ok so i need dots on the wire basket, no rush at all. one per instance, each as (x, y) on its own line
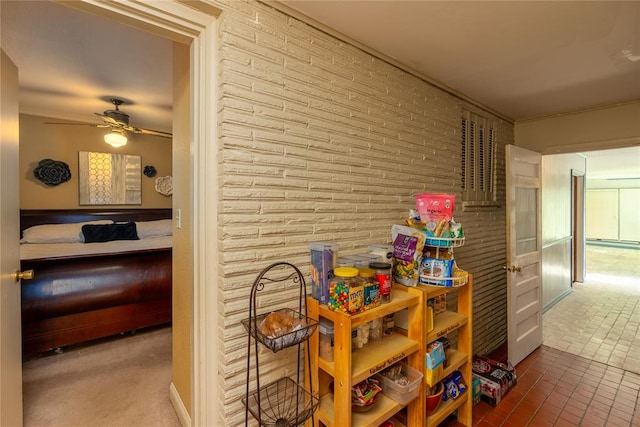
(444, 242)
(302, 331)
(456, 281)
(281, 403)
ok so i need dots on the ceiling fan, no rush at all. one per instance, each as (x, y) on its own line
(118, 121)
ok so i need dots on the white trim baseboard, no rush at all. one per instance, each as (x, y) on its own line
(181, 411)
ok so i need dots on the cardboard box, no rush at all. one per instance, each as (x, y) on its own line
(434, 363)
(324, 257)
(496, 379)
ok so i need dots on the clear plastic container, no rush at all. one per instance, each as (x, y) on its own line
(383, 277)
(383, 253)
(403, 394)
(375, 329)
(323, 260)
(346, 292)
(326, 340)
(371, 288)
(388, 324)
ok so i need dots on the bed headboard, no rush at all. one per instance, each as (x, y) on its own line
(31, 217)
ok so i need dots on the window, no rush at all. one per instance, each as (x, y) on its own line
(478, 158)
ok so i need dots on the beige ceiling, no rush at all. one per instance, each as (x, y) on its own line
(71, 63)
(520, 59)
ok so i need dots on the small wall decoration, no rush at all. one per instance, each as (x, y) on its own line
(149, 171)
(164, 185)
(109, 179)
(52, 172)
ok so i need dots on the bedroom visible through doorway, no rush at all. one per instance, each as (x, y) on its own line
(105, 89)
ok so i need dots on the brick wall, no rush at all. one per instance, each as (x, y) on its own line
(320, 141)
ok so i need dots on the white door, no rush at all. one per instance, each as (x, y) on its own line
(10, 323)
(524, 252)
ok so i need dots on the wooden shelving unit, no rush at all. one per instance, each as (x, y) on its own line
(460, 358)
(349, 368)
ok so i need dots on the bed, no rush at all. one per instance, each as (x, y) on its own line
(81, 290)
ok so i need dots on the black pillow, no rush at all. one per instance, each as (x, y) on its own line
(108, 232)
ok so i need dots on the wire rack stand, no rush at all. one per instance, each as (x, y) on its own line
(284, 402)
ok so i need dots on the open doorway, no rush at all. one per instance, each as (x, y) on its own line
(65, 87)
(193, 381)
(598, 319)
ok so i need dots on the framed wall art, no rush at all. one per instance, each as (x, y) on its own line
(109, 179)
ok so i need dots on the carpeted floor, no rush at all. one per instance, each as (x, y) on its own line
(122, 381)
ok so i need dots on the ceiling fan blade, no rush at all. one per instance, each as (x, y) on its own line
(101, 125)
(108, 119)
(68, 123)
(149, 132)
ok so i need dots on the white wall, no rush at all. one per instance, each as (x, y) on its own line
(612, 214)
(597, 129)
(557, 230)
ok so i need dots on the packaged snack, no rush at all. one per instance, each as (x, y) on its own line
(434, 362)
(436, 210)
(454, 386)
(435, 205)
(364, 393)
(435, 354)
(436, 271)
(455, 229)
(408, 244)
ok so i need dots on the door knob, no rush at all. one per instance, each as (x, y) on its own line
(513, 268)
(23, 275)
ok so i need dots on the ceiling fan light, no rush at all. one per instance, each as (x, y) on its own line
(116, 138)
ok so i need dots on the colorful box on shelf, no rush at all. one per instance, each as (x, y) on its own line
(434, 362)
(323, 260)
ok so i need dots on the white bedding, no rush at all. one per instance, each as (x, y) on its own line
(30, 251)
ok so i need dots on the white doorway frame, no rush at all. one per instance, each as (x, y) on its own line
(194, 25)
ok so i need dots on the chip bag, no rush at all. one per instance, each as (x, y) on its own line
(408, 244)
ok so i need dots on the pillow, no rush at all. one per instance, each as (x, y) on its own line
(109, 232)
(58, 233)
(158, 228)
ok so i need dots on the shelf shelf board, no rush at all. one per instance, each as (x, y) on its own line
(375, 356)
(399, 301)
(457, 359)
(446, 408)
(383, 409)
(445, 323)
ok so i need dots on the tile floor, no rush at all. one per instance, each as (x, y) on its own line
(601, 317)
(556, 388)
(560, 386)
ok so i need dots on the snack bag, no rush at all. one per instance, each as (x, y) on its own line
(408, 244)
(436, 210)
(454, 386)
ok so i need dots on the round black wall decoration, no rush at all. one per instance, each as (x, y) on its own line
(149, 171)
(52, 172)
